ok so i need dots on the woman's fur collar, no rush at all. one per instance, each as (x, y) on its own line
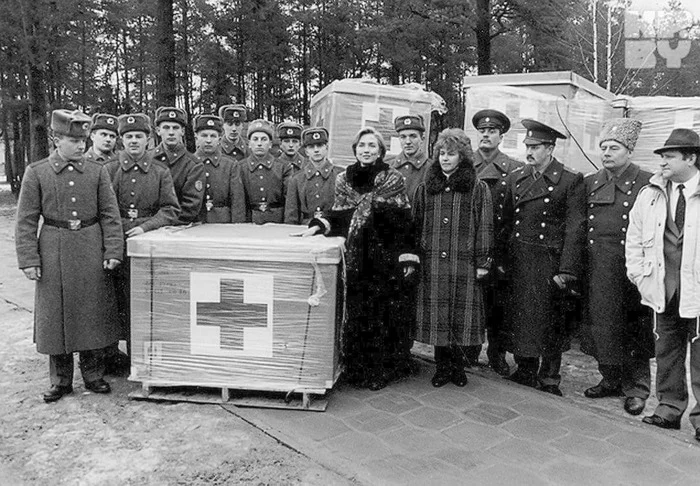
(461, 180)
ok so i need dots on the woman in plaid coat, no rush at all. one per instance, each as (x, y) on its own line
(453, 214)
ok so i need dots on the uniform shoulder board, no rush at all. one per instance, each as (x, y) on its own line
(570, 170)
(589, 174)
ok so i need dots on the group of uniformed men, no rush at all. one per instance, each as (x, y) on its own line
(559, 234)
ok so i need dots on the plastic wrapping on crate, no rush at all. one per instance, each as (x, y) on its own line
(659, 116)
(235, 306)
(582, 113)
(345, 106)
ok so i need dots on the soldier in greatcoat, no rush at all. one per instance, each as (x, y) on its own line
(311, 192)
(147, 201)
(233, 143)
(69, 256)
(264, 178)
(187, 172)
(289, 135)
(412, 162)
(544, 220)
(492, 166)
(223, 192)
(103, 135)
(453, 215)
(617, 329)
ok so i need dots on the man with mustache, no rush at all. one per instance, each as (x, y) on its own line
(544, 221)
(492, 166)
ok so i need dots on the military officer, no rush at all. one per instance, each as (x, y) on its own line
(264, 178)
(187, 172)
(289, 134)
(103, 134)
(412, 162)
(544, 220)
(223, 194)
(233, 144)
(492, 166)
(147, 201)
(312, 191)
(80, 239)
(617, 329)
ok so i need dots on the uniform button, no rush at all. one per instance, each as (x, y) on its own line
(500, 206)
(133, 193)
(262, 189)
(591, 217)
(133, 180)
(543, 224)
(443, 254)
(517, 235)
(132, 205)
(70, 167)
(517, 210)
(590, 241)
(622, 242)
(629, 193)
(591, 204)
(624, 216)
(72, 199)
(71, 183)
(550, 188)
(503, 194)
(445, 220)
(317, 196)
(74, 213)
(503, 183)
(544, 213)
(625, 204)
(624, 230)
(261, 177)
(260, 167)
(447, 189)
(317, 173)
(317, 184)
(207, 174)
(517, 221)
(209, 185)
(541, 237)
(263, 199)
(546, 199)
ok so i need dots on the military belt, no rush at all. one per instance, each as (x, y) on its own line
(71, 224)
(133, 213)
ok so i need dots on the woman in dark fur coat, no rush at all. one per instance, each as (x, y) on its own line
(372, 211)
(453, 215)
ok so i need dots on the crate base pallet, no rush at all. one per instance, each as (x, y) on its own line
(307, 400)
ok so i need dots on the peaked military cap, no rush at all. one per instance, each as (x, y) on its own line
(208, 122)
(409, 122)
(540, 133)
(621, 130)
(681, 138)
(134, 122)
(70, 123)
(313, 136)
(171, 114)
(104, 121)
(289, 130)
(233, 113)
(491, 119)
(260, 125)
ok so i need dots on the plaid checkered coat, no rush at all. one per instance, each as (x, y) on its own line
(454, 221)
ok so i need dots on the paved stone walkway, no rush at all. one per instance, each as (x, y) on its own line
(489, 432)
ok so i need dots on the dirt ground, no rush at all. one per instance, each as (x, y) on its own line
(90, 439)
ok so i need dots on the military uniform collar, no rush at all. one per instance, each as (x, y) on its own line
(170, 156)
(417, 161)
(126, 162)
(604, 178)
(495, 168)
(229, 145)
(204, 158)
(91, 154)
(324, 170)
(255, 162)
(552, 172)
(58, 163)
(297, 160)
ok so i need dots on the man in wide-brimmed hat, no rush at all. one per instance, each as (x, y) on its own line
(662, 261)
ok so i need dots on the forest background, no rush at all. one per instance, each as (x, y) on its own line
(124, 56)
